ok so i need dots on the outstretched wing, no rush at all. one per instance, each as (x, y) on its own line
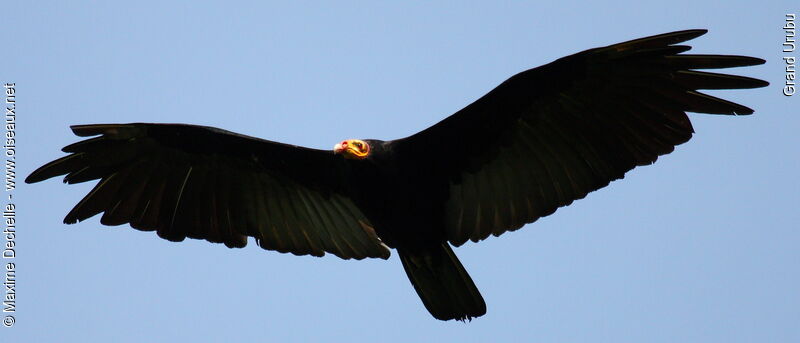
(201, 182)
(552, 134)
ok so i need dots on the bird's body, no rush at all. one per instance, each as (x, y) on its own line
(540, 140)
(397, 192)
(406, 207)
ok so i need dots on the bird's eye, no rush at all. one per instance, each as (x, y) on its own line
(358, 145)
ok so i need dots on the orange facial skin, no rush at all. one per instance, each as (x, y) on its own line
(354, 149)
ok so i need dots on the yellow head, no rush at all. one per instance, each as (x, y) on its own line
(355, 149)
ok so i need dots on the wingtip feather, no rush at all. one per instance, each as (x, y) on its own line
(661, 40)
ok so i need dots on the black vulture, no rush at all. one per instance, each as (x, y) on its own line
(540, 140)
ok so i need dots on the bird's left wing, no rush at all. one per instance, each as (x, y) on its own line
(549, 135)
(202, 182)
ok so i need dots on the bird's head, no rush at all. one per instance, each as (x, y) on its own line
(355, 149)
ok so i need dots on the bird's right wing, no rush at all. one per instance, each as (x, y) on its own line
(201, 182)
(550, 135)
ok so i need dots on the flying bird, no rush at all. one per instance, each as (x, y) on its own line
(540, 140)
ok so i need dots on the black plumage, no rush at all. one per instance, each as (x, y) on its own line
(540, 140)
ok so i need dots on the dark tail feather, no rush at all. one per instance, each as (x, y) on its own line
(442, 283)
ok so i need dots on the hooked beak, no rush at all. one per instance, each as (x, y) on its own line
(339, 147)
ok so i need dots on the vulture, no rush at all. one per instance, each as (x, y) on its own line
(540, 140)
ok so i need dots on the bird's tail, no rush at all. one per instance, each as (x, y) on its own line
(442, 283)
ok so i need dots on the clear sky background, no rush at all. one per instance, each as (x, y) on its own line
(703, 246)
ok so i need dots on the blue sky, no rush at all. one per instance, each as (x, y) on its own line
(700, 247)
